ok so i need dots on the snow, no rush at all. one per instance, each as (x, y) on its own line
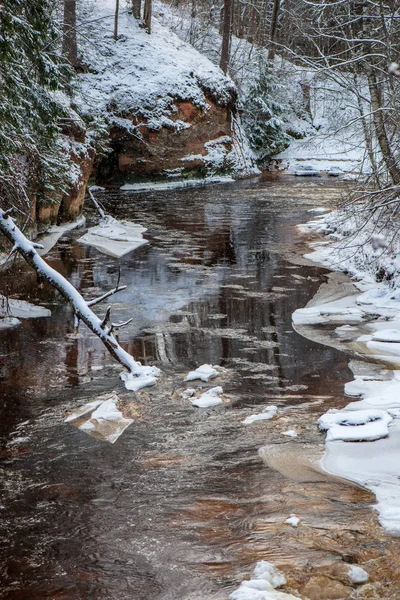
(106, 422)
(20, 309)
(268, 413)
(147, 377)
(83, 410)
(356, 425)
(204, 372)
(261, 586)
(357, 574)
(188, 393)
(114, 238)
(172, 185)
(290, 433)
(293, 520)
(209, 398)
(139, 79)
(338, 311)
(7, 322)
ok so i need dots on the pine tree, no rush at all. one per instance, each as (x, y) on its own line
(261, 114)
(30, 72)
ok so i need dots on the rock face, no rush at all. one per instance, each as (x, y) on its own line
(168, 109)
(193, 141)
(69, 206)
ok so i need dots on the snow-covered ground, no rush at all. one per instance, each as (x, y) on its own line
(363, 439)
(137, 79)
(321, 114)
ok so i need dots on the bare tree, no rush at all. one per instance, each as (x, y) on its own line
(137, 8)
(116, 20)
(226, 35)
(147, 14)
(69, 45)
(274, 28)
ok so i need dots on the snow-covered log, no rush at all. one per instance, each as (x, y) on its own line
(101, 328)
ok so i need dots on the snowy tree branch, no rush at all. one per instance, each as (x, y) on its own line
(81, 308)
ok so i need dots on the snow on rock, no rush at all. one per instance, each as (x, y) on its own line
(293, 520)
(114, 238)
(353, 426)
(357, 574)
(262, 585)
(209, 398)
(106, 421)
(20, 309)
(162, 100)
(268, 413)
(204, 372)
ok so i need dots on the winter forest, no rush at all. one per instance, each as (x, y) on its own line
(199, 299)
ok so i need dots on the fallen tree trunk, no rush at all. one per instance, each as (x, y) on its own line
(102, 328)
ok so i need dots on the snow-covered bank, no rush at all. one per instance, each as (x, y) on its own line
(168, 109)
(363, 439)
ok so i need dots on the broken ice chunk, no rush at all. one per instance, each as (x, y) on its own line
(209, 398)
(267, 413)
(204, 372)
(188, 393)
(293, 520)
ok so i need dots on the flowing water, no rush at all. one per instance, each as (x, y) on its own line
(182, 505)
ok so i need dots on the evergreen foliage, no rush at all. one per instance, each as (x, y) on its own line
(31, 72)
(261, 114)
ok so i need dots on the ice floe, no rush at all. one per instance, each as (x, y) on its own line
(50, 239)
(105, 421)
(293, 520)
(114, 238)
(209, 398)
(262, 585)
(357, 574)
(355, 426)
(7, 322)
(20, 309)
(268, 413)
(188, 393)
(204, 372)
(145, 378)
(290, 433)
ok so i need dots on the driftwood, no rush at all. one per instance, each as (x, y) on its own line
(103, 328)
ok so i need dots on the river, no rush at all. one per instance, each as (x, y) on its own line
(181, 506)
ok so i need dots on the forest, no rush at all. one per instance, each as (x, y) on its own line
(199, 299)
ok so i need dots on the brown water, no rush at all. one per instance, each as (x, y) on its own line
(181, 507)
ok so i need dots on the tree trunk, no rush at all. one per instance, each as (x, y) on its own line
(116, 20)
(226, 35)
(137, 8)
(380, 129)
(274, 28)
(69, 45)
(147, 15)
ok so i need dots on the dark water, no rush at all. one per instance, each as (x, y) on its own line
(168, 511)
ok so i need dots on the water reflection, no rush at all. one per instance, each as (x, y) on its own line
(83, 519)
